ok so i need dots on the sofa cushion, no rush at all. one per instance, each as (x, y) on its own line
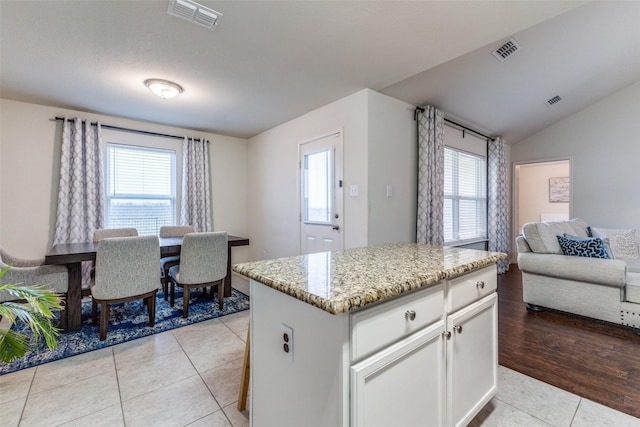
(591, 247)
(541, 236)
(633, 265)
(633, 288)
(623, 242)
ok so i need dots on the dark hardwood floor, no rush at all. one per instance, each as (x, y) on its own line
(596, 360)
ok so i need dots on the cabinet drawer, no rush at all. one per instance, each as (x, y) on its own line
(379, 326)
(471, 287)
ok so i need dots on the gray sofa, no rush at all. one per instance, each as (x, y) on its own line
(605, 289)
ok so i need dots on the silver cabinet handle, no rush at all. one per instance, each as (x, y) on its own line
(410, 315)
(480, 285)
(457, 329)
(335, 227)
(446, 334)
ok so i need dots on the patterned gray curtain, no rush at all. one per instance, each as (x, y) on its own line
(430, 228)
(81, 195)
(196, 191)
(498, 193)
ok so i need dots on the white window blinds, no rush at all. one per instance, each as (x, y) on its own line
(465, 196)
(141, 188)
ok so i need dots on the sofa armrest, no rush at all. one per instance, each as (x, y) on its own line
(609, 272)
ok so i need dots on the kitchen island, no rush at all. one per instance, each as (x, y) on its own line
(397, 334)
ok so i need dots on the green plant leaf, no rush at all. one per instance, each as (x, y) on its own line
(37, 314)
(13, 345)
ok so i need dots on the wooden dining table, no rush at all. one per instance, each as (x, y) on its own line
(73, 254)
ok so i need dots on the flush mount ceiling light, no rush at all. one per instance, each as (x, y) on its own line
(163, 88)
(194, 12)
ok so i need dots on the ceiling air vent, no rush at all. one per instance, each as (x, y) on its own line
(553, 100)
(506, 50)
(194, 12)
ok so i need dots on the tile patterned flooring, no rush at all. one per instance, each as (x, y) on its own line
(191, 375)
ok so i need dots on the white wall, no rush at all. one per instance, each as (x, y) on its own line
(273, 177)
(378, 149)
(533, 191)
(29, 159)
(393, 159)
(604, 142)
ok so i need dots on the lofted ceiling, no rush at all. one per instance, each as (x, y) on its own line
(268, 62)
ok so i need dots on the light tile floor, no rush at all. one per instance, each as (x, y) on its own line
(191, 376)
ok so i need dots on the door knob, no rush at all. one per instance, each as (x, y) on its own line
(336, 227)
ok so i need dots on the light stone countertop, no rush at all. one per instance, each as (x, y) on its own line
(339, 282)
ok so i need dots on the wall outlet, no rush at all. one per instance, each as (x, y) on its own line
(389, 191)
(354, 191)
(286, 341)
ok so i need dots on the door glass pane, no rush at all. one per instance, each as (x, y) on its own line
(317, 187)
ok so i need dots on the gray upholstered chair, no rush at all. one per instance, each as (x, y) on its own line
(32, 272)
(126, 270)
(203, 263)
(103, 233)
(167, 262)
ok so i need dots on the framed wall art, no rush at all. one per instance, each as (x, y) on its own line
(559, 189)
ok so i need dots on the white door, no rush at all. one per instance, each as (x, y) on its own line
(472, 359)
(321, 194)
(402, 385)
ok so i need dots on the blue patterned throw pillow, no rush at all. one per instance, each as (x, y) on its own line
(589, 247)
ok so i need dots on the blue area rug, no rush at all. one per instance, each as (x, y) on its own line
(128, 321)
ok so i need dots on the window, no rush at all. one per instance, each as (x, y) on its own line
(465, 196)
(317, 186)
(141, 188)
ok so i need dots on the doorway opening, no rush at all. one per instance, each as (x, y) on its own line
(542, 192)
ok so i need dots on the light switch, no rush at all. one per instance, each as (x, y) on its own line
(389, 191)
(354, 191)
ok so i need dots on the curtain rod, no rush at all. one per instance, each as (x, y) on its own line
(143, 132)
(464, 128)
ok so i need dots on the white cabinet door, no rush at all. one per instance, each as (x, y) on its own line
(402, 385)
(472, 359)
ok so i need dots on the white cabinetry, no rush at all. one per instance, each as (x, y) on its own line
(409, 372)
(388, 386)
(428, 358)
(472, 359)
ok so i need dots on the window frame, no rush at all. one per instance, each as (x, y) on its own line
(455, 197)
(174, 198)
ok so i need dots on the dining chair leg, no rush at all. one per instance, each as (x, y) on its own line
(104, 319)
(173, 294)
(152, 309)
(94, 311)
(244, 382)
(220, 294)
(185, 301)
(165, 288)
(63, 316)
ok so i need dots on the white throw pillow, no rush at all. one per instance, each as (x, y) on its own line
(623, 242)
